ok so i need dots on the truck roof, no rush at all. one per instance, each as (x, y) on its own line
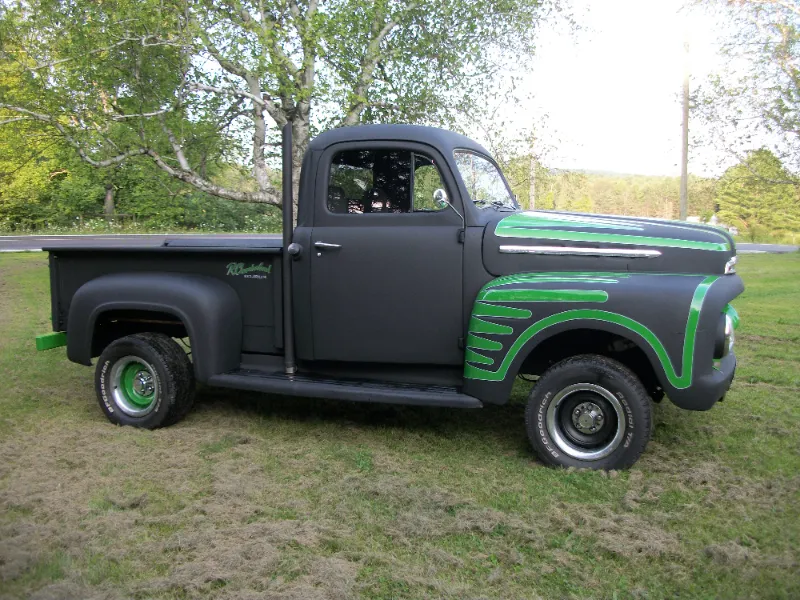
(445, 141)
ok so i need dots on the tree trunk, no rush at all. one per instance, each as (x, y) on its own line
(108, 202)
(300, 141)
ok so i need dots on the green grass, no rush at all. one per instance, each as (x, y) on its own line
(259, 496)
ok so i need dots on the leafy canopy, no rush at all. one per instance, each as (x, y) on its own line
(756, 99)
(182, 83)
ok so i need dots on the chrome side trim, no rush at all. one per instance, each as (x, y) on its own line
(580, 251)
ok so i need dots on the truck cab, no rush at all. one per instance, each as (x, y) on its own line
(412, 276)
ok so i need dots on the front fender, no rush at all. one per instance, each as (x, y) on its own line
(671, 318)
(209, 309)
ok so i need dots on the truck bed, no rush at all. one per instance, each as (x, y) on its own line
(250, 264)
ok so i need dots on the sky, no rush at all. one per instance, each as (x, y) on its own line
(611, 92)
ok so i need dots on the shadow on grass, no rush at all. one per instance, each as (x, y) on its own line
(504, 425)
(498, 429)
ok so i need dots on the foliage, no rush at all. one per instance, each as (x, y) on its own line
(184, 84)
(756, 99)
(635, 195)
(755, 196)
(45, 186)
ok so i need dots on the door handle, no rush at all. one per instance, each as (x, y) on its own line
(326, 246)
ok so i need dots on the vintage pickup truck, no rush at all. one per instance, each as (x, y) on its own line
(412, 277)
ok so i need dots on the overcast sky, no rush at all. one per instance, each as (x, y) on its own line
(612, 91)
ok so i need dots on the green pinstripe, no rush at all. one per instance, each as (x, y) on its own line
(529, 295)
(539, 219)
(482, 309)
(542, 225)
(731, 312)
(679, 381)
(570, 277)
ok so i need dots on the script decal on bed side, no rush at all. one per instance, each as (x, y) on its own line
(259, 271)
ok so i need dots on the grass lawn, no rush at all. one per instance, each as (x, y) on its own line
(264, 497)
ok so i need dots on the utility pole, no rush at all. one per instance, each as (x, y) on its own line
(532, 188)
(685, 132)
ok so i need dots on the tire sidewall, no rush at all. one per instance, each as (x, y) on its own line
(598, 372)
(166, 393)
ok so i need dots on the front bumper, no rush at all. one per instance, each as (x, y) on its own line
(707, 389)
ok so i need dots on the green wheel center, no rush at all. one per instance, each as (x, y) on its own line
(137, 384)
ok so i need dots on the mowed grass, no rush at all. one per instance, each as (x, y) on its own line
(264, 497)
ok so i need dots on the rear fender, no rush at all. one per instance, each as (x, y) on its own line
(208, 308)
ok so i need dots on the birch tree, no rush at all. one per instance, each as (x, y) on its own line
(182, 82)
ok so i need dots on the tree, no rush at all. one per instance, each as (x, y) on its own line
(182, 81)
(749, 199)
(756, 99)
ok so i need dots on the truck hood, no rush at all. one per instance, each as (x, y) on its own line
(562, 241)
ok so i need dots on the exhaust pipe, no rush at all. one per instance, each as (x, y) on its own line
(290, 366)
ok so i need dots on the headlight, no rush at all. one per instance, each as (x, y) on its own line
(730, 336)
(728, 322)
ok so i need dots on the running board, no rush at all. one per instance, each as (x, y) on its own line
(276, 382)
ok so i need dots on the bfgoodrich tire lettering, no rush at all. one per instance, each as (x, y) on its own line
(144, 380)
(589, 412)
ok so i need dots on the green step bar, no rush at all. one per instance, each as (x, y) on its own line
(48, 341)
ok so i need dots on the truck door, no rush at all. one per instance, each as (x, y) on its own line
(386, 264)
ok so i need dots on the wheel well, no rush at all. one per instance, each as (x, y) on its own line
(592, 341)
(114, 324)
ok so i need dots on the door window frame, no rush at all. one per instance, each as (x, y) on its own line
(323, 217)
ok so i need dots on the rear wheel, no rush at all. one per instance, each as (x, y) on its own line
(589, 412)
(144, 380)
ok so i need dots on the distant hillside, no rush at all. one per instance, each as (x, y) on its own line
(611, 193)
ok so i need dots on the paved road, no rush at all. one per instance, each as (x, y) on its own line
(26, 243)
(760, 248)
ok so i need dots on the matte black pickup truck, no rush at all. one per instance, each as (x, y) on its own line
(412, 277)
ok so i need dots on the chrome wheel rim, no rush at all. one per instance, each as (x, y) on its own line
(594, 426)
(134, 386)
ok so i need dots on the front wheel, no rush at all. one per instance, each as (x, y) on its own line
(144, 380)
(589, 412)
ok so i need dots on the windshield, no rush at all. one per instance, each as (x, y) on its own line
(484, 181)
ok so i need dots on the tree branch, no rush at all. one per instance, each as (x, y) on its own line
(121, 117)
(267, 194)
(369, 61)
(114, 160)
(143, 40)
(228, 65)
(268, 197)
(227, 92)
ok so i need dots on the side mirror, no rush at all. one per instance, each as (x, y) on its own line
(440, 198)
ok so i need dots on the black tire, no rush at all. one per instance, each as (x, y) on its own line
(591, 412)
(144, 380)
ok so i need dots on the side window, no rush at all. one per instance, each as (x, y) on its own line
(427, 180)
(382, 181)
(370, 181)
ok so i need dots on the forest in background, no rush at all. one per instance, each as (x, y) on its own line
(163, 115)
(45, 187)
